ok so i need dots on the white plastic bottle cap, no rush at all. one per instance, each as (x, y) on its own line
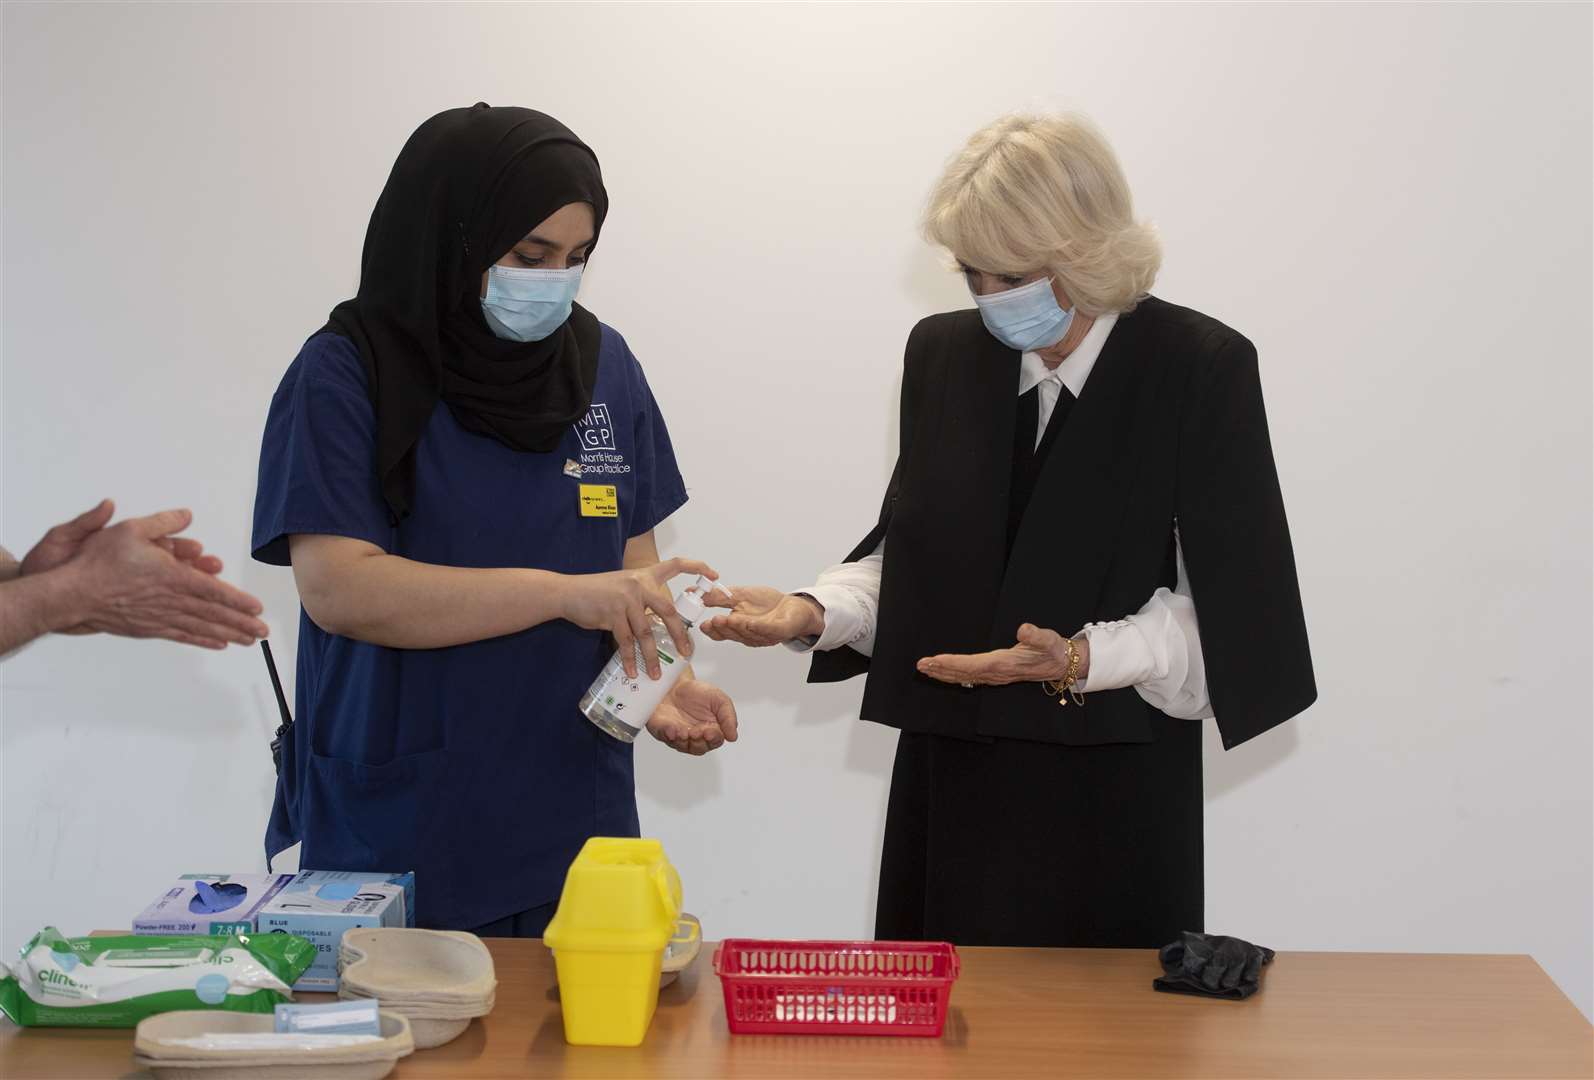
(689, 605)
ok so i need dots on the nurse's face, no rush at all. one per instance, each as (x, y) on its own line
(984, 283)
(560, 240)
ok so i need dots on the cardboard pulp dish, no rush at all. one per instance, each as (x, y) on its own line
(432, 1025)
(361, 990)
(435, 965)
(430, 1034)
(152, 1050)
(424, 1010)
(439, 979)
(682, 949)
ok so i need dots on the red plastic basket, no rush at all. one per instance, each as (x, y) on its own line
(836, 987)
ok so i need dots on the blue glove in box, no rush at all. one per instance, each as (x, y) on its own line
(211, 904)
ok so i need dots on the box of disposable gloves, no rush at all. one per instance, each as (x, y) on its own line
(322, 904)
(211, 904)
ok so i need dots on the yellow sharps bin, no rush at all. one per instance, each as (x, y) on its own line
(617, 913)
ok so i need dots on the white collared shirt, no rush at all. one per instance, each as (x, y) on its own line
(1072, 372)
(1157, 650)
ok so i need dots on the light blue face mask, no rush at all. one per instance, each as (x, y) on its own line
(1025, 318)
(524, 304)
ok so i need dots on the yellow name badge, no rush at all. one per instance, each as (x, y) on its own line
(599, 500)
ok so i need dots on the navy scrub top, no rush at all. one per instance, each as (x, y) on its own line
(470, 765)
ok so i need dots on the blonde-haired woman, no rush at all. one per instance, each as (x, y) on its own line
(1083, 467)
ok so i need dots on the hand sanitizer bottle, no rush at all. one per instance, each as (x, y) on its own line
(621, 705)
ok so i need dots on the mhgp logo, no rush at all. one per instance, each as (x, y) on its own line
(595, 431)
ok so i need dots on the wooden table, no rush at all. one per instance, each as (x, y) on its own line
(1015, 1013)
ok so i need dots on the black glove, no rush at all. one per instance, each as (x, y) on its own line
(1212, 966)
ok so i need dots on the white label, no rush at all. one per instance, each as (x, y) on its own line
(630, 700)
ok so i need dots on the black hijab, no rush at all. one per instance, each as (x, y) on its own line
(468, 185)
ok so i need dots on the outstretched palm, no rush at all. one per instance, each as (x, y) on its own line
(695, 718)
(761, 616)
(1038, 656)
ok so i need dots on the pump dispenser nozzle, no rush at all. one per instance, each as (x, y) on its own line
(689, 605)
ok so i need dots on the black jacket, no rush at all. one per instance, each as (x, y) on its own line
(1169, 428)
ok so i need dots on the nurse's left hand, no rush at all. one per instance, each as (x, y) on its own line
(697, 717)
(1039, 655)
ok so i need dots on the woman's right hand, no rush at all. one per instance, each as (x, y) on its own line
(619, 602)
(761, 616)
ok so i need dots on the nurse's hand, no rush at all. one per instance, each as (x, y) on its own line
(761, 616)
(619, 602)
(697, 717)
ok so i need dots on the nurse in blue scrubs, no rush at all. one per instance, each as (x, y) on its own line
(464, 469)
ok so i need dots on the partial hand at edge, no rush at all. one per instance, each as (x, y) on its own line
(58, 546)
(136, 579)
(62, 543)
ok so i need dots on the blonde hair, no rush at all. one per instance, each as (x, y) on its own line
(1030, 193)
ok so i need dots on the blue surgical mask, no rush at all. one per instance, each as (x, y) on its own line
(1025, 318)
(524, 304)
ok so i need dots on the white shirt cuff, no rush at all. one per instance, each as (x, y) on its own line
(1119, 657)
(844, 619)
(844, 616)
(1157, 650)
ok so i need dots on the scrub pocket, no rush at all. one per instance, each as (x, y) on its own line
(387, 816)
(388, 728)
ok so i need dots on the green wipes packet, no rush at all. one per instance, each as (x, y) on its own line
(118, 981)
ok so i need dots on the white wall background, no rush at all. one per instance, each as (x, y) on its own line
(1392, 201)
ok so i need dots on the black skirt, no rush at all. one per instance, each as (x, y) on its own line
(1010, 842)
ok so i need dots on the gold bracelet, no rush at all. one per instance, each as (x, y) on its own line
(1067, 686)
